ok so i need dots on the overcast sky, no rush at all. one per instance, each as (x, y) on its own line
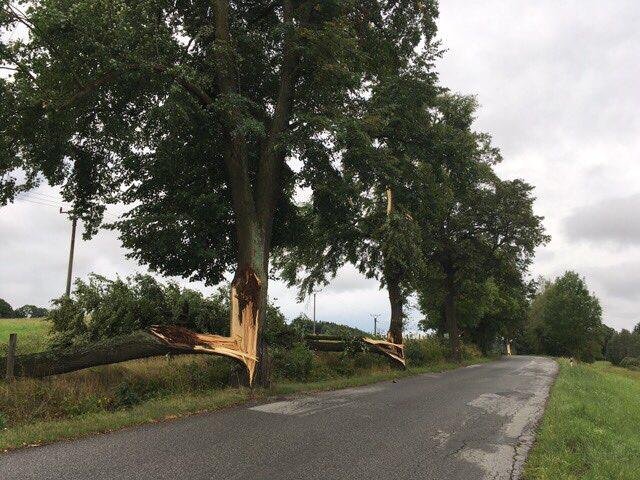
(558, 84)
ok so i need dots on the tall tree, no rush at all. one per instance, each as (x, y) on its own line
(194, 112)
(369, 221)
(479, 227)
(570, 319)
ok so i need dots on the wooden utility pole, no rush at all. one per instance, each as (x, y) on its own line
(375, 323)
(11, 356)
(74, 224)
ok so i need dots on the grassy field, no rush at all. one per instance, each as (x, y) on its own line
(591, 428)
(32, 334)
(100, 399)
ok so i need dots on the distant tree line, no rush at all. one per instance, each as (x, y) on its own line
(565, 319)
(623, 348)
(26, 311)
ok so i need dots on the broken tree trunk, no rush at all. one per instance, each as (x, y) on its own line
(242, 344)
(325, 343)
(114, 350)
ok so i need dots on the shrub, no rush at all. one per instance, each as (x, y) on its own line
(422, 351)
(3, 421)
(126, 395)
(277, 333)
(295, 363)
(632, 363)
(470, 351)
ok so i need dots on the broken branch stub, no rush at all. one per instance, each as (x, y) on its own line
(242, 344)
(395, 351)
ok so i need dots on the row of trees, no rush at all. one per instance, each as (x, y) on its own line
(26, 311)
(624, 345)
(214, 121)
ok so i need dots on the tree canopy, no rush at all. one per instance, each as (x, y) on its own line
(204, 117)
(211, 120)
(5, 309)
(565, 319)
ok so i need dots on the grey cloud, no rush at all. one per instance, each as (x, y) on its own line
(615, 221)
(620, 281)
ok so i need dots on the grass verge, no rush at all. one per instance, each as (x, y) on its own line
(178, 405)
(33, 334)
(590, 428)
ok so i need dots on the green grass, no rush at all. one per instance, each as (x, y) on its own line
(591, 428)
(33, 334)
(188, 403)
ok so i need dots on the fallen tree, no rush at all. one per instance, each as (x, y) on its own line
(114, 350)
(163, 340)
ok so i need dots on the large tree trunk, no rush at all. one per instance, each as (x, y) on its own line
(396, 301)
(450, 318)
(114, 350)
(250, 295)
(392, 276)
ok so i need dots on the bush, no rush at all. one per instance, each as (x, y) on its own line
(632, 363)
(101, 308)
(126, 395)
(470, 351)
(293, 364)
(3, 421)
(422, 351)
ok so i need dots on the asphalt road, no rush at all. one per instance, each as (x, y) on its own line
(472, 423)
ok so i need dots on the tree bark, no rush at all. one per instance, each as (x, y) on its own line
(396, 301)
(450, 317)
(392, 276)
(114, 350)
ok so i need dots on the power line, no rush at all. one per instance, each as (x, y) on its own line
(38, 203)
(44, 195)
(26, 197)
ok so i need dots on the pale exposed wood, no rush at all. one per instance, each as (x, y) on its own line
(242, 344)
(389, 201)
(395, 351)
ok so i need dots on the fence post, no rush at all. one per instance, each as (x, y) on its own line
(11, 355)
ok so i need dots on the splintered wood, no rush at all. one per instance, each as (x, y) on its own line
(395, 351)
(242, 344)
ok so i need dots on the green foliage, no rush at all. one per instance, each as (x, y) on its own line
(632, 363)
(102, 308)
(3, 421)
(126, 395)
(481, 231)
(5, 309)
(137, 102)
(277, 332)
(423, 351)
(622, 345)
(304, 325)
(30, 311)
(565, 320)
(295, 363)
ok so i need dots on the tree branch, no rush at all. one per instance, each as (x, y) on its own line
(272, 157)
